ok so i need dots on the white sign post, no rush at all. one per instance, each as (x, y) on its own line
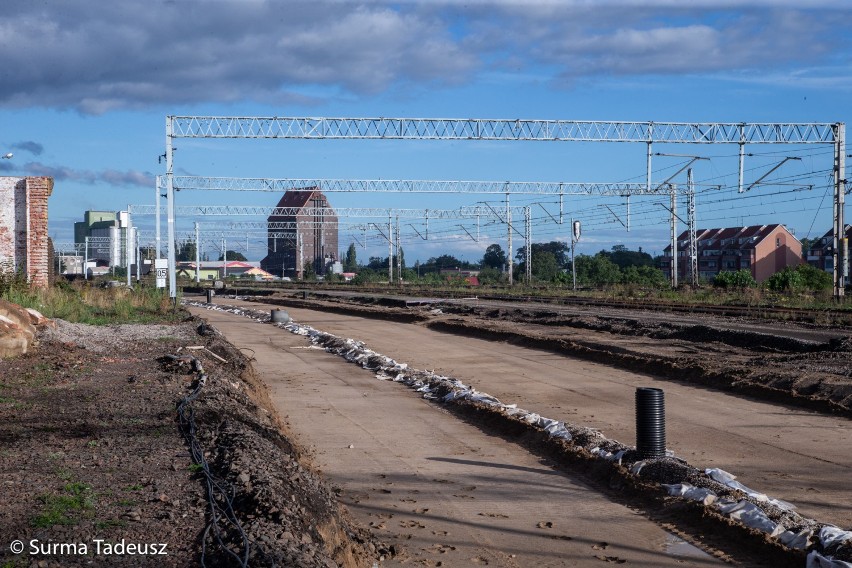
(161, 265)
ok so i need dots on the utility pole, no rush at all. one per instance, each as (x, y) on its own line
(841, 263)
(138, 256)
(528, 239)
(509, 238)
(390, 251)
(575, 236)
(224, 259)
(673, 194)
(86, 260)
(693, 240)
(197, 255)
(398, 255)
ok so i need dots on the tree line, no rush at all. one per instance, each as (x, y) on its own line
(550, 263)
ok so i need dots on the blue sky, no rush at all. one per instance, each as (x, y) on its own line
(85, 88)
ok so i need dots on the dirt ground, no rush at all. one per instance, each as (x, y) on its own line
(96, 469)
(806, 365)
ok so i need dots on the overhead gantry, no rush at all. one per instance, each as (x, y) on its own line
(649, 133)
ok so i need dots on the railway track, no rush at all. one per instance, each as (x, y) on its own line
(840, 316)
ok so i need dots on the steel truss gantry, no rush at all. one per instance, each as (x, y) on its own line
(515, 130)
(501, 129)
(468, 212)
(412, 186)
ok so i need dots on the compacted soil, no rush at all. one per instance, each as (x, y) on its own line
(98, 467)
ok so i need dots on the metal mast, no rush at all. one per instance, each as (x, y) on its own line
(673, 209)
(841, 263)
(509, 239)
(693, 240)
(528, 245)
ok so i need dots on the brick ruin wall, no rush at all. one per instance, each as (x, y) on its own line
(23, 226)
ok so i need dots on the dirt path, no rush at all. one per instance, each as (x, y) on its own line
(792, 454)
(442, 491)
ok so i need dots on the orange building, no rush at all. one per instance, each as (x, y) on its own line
(761, 249)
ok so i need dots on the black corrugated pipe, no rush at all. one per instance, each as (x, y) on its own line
(650, 423)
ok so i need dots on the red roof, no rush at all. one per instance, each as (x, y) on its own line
(297, 198)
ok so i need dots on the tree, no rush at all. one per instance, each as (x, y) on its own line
(647, 276)
(231, 255)
(803, 277)
(489, 275)
(814, 278)
(444, 262)
(560, 251)
(785, 280)
(544, 266)
(310, 272)
(378, 263)
(495, 257)
(621, 257)
(185, 251)
(351, 262)
(597, 270)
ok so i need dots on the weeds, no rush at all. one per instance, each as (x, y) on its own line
(64, 509)
(82, 303)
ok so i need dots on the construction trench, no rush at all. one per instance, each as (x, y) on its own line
(702, 504)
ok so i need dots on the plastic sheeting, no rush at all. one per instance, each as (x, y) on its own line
(817, 560)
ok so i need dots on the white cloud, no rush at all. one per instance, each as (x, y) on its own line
(98, 57)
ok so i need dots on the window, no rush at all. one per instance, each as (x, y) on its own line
(777, 241)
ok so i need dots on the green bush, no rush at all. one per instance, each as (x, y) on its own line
(740, 279)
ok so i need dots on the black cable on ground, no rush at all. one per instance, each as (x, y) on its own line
(220, 493)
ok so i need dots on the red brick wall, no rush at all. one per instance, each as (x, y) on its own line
(38, 189)
(23, 242)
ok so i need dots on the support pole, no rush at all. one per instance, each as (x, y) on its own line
(128, 246)
(86, 260)
(528, 245)
(693, 237)
(840, 261)
(197, 255)
(301, 266)
(170, 206)
(742, 156)
(509, 238)
(398, 255)
(158, 244)
(650, 150)
(138, 256)
(224, 258)
(673, 194)
(390, 251)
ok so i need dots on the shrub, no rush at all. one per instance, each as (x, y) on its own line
(740, 279)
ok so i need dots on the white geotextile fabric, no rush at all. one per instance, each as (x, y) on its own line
(817, 560)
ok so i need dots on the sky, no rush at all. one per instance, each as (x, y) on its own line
(85, 88)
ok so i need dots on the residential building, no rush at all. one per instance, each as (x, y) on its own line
(761, 249)
(820, 254)
(306, 238)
